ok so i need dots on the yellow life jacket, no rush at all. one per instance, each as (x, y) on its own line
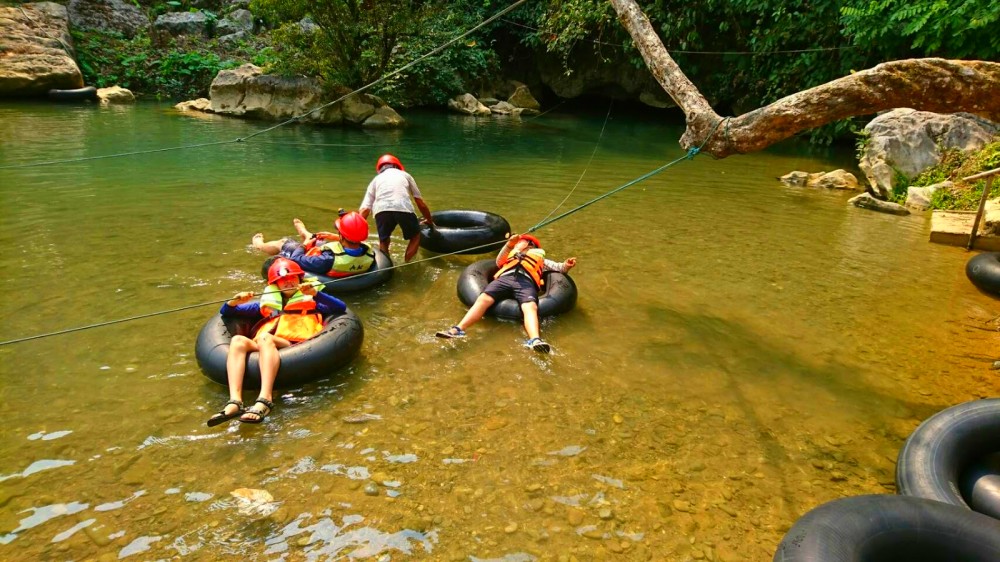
(532, 262)
(345, 264)
(294, 320)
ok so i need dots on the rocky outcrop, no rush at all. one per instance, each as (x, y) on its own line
(907, 142)
(467, 104)
(502, 108)
(182, 23)
(837, 179)
(919, 198)
(37, 53)
(115, 95)
(107, 15)
(866, 201)
(236, 22)
(521, 97)
(248, 92)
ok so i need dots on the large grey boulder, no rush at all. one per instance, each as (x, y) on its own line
(248, 92)
(37, 52)
(107, 15)
(919, 198)
(236, 22)
(908, 142)
(182, 23)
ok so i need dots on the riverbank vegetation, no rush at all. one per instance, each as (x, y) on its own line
(956, 165)
(743, 54)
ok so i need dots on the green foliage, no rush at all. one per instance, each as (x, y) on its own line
(900, 187)
(956, 165)
(108, 59)
(898, 28)
(357, 43)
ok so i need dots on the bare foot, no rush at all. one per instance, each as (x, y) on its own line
(300, 227)
(258, 241)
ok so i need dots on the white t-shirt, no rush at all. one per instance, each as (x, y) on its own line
(391, 191)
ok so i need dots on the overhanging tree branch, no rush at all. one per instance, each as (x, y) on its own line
(938, 85)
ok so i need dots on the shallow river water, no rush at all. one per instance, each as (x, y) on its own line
(740, 353)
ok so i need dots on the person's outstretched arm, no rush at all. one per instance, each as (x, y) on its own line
(314, 264)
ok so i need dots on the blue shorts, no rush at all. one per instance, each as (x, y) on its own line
(513, 285)
(386, 221)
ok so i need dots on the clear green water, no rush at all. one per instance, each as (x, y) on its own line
(741, 352)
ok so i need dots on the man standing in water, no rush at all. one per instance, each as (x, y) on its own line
(388, 196)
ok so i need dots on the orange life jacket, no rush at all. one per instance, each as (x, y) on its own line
(531, 261)
(295, 321)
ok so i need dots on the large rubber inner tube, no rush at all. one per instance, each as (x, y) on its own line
(557, 296)
(984, 272)
(463, 232)
(890, 529)
(380, 272)
(980, 486)
(935, 457)
(79, 94)
(318, 357)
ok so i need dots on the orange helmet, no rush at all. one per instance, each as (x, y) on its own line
(531, 239)
(388, 159)
(353, 227)
(282, 268)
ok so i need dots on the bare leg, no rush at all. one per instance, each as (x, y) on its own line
(530, 311)
(477, 310)
(269, 361)
(412, 246)
(271, 248)
(384, 246)
(300, 227)
(236, 366)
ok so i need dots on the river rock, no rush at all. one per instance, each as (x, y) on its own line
(919, 198)
(115, 94)
(866, 201)
(837, 179)
(908, 142)
(200, 104)
(38, 49)
(502, 108)
(248, 92)
(467, 104)
(521, 97)
(182, 23)
(107, 15)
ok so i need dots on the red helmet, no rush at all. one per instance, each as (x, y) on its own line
(353, 227)
(281, 268)
(388, 159)
(531, 239)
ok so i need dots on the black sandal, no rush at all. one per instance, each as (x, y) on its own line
(257, 412)
(222, 416)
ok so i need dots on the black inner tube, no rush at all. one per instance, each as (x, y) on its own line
(933, 461)
(557, 296)
(79, 94)
(464, 232)
(890, 529)
(320, 356)
(984, 272)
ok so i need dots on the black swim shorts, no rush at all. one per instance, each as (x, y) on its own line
(386, 222)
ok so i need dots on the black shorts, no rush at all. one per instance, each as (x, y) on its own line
(513, 285)
(288, 246)
(386, 222)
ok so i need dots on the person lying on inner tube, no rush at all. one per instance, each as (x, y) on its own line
(339, 254)
(292, 310)
(521, 262)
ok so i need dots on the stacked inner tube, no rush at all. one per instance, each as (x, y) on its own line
(890, 529)
(318, 357)
(380, 272)
(984, 272)
(464, 232)
(953, 458)
(558, 295)
(79, 94)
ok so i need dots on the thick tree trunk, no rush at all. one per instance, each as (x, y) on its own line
(938, 85)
